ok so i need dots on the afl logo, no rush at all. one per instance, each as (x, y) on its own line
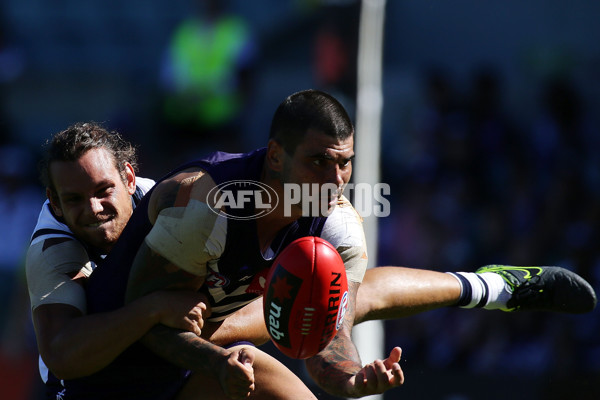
(231, 196)
(214, 280)
(342, 311)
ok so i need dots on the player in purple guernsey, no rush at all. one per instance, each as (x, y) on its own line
(178, 238)
(406, 295)
(186, 240)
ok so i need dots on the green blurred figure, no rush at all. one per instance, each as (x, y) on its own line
(206, 74)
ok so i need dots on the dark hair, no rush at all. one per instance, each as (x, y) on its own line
(78, 139)
(309, 110)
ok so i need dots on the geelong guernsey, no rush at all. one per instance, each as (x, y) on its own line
(54, 256)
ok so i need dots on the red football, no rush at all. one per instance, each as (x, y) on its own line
(306, 297)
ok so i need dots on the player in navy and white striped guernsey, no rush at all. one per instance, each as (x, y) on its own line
(100, 170)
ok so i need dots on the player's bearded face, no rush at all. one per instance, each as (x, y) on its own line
(322, 160)
(93, 199)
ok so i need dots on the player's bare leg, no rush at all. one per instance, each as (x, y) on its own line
(246, 324)
(395, 292)
(272, 379)
(386, 293)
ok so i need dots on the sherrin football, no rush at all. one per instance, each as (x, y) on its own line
(306, 297)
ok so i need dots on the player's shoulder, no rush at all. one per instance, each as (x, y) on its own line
(49, 226)
(61, 254)
(343, 226)
(53, 243)
(178, 189)
(181, 178)
(144, 184)
(51, 266)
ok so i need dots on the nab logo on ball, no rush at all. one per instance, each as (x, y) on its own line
(306, 297)
(282, 291)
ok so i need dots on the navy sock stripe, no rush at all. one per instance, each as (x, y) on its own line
(486, 293)
(466, 292)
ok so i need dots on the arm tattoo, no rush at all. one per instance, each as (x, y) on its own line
(340, 360)
(184, 349)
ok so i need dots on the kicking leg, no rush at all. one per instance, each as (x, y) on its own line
(246, 324)
(395, 292)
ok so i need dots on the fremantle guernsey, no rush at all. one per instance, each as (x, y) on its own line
(225, 250)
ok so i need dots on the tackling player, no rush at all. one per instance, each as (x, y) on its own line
(442, 289)
(92, 189)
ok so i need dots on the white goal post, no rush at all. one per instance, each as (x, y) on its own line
(369, 336)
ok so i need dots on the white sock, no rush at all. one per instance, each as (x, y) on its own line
(487, 290)
(499, 291)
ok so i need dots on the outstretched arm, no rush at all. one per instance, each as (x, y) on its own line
(339, 370)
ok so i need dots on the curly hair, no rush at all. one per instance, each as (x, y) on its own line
(73, 142)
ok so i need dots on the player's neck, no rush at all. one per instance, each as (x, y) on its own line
(270, 225)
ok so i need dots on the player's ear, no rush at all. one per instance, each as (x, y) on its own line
(54, 203)
(274, 156)
(129, 178)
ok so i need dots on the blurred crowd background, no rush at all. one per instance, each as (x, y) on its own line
(490, 142)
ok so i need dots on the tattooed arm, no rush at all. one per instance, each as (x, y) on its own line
(338, 368)
(339, 361)
(232, 370)
(174, 256)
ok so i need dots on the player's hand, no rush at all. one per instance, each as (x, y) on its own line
(237, 376)
(378, 376)
(181, 309)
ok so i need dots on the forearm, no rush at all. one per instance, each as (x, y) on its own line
(333, 368)
(86, 344)
(185, 349)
